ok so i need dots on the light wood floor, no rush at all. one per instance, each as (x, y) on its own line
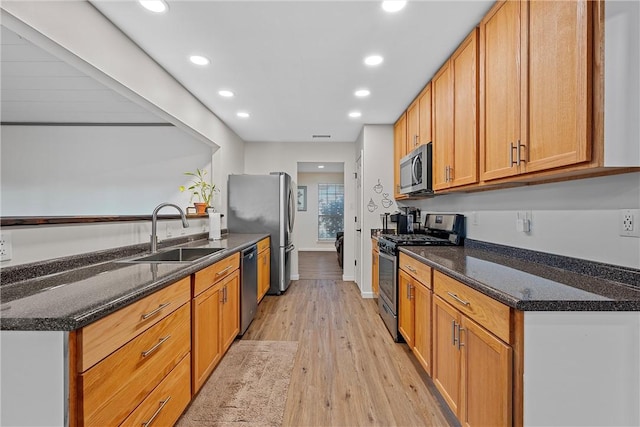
(348, 371)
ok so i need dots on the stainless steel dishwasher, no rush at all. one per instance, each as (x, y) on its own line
(248, 287)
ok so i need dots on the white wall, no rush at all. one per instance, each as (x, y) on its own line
(307, 221)
(266, 157)
(376, 143)
(573, 218)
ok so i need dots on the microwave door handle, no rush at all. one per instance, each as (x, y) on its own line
(414, 168)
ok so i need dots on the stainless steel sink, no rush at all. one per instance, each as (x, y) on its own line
(177, 255)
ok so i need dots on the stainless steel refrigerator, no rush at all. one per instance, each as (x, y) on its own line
(266, 204)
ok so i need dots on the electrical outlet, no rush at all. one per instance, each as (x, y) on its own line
(169, 232)
(474, 218)
(523, 222)
(628, 222)
(6, 252)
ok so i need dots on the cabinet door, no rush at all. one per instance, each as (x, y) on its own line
(230, 312)
(206, 352)
(422, 326)
(501, 40)
(413, 125)
(464, 164)
(446, 356)
(559, 84)
(264, 273)
(486, 377)
(405, 306)
(442, 86)
(399, 151)
(424, 101)
(374, 272)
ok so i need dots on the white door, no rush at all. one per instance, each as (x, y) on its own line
(358, 228)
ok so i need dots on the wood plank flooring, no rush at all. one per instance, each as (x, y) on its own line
(348, 371)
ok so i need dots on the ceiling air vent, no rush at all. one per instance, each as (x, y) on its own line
(320, 136)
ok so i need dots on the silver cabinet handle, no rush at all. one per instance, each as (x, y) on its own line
(519, 151)
(223, 271)
(156, 311)
(155, 347)
(511, 161)
(155, 414)
(453, 333)
(450, 174)
(460, 343)
(411, 269)
(457, 298)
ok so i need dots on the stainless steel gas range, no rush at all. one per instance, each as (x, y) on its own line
(439, 230)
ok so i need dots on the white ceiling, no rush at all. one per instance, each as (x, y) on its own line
(293, 65)
(327, 167)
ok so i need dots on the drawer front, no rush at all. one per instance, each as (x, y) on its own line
(206, 277)
(101, 338)
(166, 402)
(263, 244)
(486, 311)
(113, 388)
(415, 268)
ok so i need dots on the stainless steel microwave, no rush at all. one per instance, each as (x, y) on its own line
(416, 171)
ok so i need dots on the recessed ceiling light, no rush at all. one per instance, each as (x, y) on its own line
(225, 93)
(199, 60)
(242, 114)
(373, 60)
(355, 114)
(393, 6)
(361, 93)
(320, 166)
(157, 6)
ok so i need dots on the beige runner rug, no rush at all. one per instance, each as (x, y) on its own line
(247, 389)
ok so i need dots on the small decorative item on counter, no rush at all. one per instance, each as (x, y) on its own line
(201, 190)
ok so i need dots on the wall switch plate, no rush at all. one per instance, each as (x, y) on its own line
(629, 222)
(6, 253)
(523, 222)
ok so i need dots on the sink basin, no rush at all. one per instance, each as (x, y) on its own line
(177, 255)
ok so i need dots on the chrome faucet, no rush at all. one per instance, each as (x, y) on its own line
(154, 225)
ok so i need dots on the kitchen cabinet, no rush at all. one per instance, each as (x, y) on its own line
(455, 118)
(536, 79)
(399, 151)
(419, 120)
(142, 346)
(216, 316)
(375, 284)
(472, 356)
(264, 267)
(414, 311)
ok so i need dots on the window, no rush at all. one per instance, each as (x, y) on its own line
(330, 210)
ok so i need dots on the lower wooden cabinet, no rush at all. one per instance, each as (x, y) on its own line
(422, 326)
(406, 307)
(472, 367)
(216, 323)
(264, 268)
(375, 284)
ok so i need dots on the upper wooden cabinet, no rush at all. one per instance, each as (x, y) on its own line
(536, 60)
(455, 118)
(419, 120)
(399, 151)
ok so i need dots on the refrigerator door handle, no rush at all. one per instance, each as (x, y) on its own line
(289, 248)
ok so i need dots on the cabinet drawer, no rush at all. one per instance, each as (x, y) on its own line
(263, 244)
(101, 338)
(167, 401)
(415, 268)
(113, 388)
(489, 313)
(206, 277)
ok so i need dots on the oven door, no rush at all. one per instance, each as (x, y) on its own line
(387, 276)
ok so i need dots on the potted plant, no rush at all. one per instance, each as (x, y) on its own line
(200, 189)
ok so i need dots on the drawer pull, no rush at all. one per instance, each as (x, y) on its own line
(155, 347)
(411, 269)
(156, 311)
(221, 272)
(461, 301)
(155, 414)
(460, 343)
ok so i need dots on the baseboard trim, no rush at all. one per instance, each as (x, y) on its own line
(346, 278)
(295, 277)
(368, 295)
(331, 249)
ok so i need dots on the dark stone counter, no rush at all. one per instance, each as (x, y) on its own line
(534, 281)
(71, 299)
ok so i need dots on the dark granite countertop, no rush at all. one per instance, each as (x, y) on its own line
(69, 300)
(530, 283)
